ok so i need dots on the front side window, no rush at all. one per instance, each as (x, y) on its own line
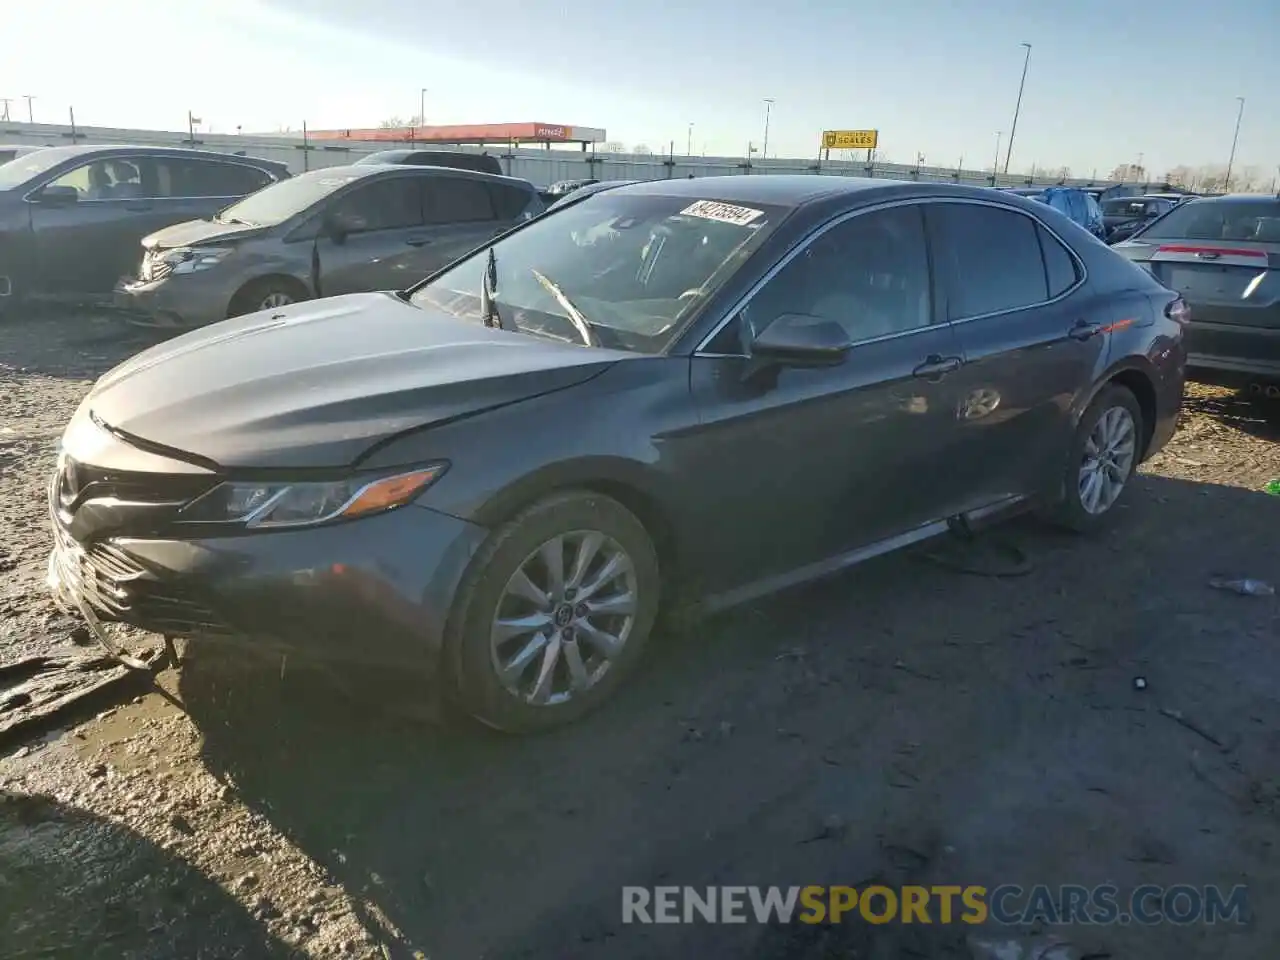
(870, 274)
(114, 178)
(990, 256)
(394, 204)
(633, 267)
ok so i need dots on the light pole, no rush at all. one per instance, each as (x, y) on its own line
(31, 117)
(995, 166)
(422, 107)
(1226, 184)
(764, 147)
(688, 149)
(1013, 129)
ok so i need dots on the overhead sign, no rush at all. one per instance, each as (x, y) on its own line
(850, 139)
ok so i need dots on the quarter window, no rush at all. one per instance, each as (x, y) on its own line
(392, 204)
(456, 200)
(870, 274)
(508, 201)
(1059, 266)
(990, 257)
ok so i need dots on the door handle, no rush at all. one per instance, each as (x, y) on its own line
(1084, 330)
(936, 367)
(417, 241)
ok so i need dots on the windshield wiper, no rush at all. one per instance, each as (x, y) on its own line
(580, 322)
(489, 314)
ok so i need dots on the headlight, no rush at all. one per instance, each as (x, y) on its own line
(184, 260)
(269, 505)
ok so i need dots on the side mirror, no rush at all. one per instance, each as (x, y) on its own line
(339, 225)
(800, 340)
(57, 196)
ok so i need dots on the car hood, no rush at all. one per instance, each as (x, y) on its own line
(198, 232)
(315, 385)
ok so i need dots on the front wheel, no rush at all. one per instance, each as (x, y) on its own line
(269, 293)
(1104, 454)
(555, 612)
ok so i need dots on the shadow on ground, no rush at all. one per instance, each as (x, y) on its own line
(900, 722)
(1256, 417)
(78, 887)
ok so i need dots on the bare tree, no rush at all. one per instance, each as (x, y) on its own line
(393, 123)
(641, 150)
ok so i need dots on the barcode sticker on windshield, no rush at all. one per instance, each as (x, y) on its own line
(722, 212)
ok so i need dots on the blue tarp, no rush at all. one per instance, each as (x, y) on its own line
(1074, 203)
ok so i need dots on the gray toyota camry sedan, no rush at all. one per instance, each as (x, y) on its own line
(670, 394)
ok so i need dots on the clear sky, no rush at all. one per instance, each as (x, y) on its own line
(1108, 81)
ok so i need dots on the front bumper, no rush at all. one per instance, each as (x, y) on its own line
(189, 300)
(375, 591)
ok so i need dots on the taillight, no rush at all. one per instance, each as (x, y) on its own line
(1178, 311)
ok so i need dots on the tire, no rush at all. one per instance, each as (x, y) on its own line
(486, 597)
(268, 293)
(1109, 410)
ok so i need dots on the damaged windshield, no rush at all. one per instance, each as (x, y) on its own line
(616, 270)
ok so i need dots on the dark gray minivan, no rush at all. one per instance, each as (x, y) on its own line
(319, 234)
(71, 217)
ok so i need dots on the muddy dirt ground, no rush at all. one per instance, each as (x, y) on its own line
(903, 723)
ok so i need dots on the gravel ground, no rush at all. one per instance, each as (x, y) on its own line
(901, 723)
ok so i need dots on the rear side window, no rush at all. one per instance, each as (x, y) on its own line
(392, 204)
(990, 257)
(209, 178)
(1219, 220)
(508, 201)
(456, 200)
(1059, 266)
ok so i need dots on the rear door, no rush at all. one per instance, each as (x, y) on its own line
(385, 220)
(459, 215)
(1223, 257)
(1031, 335)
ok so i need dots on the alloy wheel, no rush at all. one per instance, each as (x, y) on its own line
(1108, 460)
(563, 618)
(274, 300)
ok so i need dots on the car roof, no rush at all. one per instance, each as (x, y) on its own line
(359, 170)
(794, 189)
(1242, 197)
(116, 149)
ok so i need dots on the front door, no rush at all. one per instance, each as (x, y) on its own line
(381, 220)
(806, 464)
(86, 246)
(1031, 337)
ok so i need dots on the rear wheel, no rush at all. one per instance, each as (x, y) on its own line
(269, 293)
(1104, 454)
(555, 613)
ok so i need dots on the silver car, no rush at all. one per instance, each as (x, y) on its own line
(320, 234)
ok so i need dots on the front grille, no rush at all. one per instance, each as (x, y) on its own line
(78, 482)
(122, 590)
